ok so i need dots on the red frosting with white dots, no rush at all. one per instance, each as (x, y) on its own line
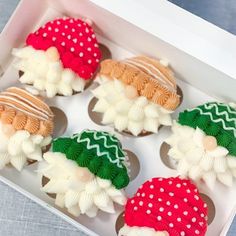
(75, 41)
(168, 204)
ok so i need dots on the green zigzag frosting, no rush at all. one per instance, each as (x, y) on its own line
(215, 119)
(99, 151)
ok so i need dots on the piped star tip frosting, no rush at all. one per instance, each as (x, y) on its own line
(26, 125)
(60, 57)
(87, 172)
(136, 95)
(204, 143)
(165, 207)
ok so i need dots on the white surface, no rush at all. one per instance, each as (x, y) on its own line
(151, 164)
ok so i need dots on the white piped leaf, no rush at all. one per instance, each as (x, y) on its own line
(18, 161)
(71, 198)
(85, 202)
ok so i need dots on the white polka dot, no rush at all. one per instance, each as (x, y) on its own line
(182, 233)
(71, 20)
(93, 36)
(49, 28)
(95, 54)
(195, 209)
(176, 206)
(97, 60)
(89, 49)
(80, 34)
(195, 190)
(73, 30)
(205, 205)
(135, 208)
(69, 36)
(185, 184)
(58, 22)
(169, 213)
(54, 38)
(89, 39)
(196, 197)
(197, 231)
(159, 199)
(56, 30)
(202, 215)
(89, 61)
(188, 226)
(87, 30)
(132, 201)
(96, 45)
(188, 191)
(63, 33)
(72, 49)
(185, 200)
(185, 213)
(171, 225)
(171, 194)
(151, 186)
(138, 194)
(159, 218)
(81, 54)
(63, 44)
(81, 44)
(143, 194)
(66, 26)
(75, 40)
(201, 223)
(79, 25)
(168, 203)
(141, 187)
(151, 196)
(161, 209)
(178, 185)
(179, 219)
(148, 212)
(170, 182)
(45, 35)
(141, 203)
(150, 205)
(161, 190)
(160, 179)
(194, 219)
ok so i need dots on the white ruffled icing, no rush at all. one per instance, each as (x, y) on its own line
(79, 197)
(140, 231)
(20, 146)
(46, 75)
(135, 115)
(198, 163)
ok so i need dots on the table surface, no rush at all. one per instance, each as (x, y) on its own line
(20, 216)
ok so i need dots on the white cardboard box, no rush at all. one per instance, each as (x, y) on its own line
(201, 54)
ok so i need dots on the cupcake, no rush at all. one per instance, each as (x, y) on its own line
(136, 95)
(26, 125)
(61, 57)
(87, 172)
(204, 143)
(165, 207)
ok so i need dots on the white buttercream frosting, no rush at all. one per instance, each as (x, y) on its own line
(77, 195)
(46, 74)
(140, 231)
(195, 161)
(135, 115)
(19, 146)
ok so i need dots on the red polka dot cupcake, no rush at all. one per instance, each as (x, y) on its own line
(60, 57)
(165, 207)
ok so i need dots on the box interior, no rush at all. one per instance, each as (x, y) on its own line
(198, 81)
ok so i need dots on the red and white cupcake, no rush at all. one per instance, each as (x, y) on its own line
(60, 57)
(165, 207)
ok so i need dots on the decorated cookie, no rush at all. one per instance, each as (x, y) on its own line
(204, 143)
(26, 125)
(87, 172)
(165, 207)
(60, 57)
(136, 95)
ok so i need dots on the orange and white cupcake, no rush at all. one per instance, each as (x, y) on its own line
(26, 125)
(136, 95)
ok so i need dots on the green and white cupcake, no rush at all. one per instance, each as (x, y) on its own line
(204, 143)
(87, 172)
